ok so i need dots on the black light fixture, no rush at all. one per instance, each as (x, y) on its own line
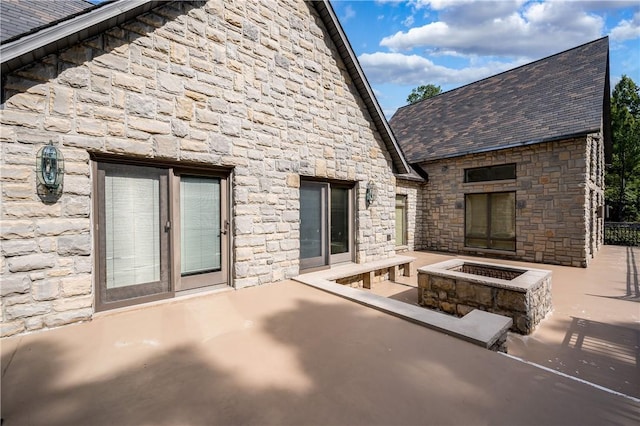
(370, 193)
(50, 168)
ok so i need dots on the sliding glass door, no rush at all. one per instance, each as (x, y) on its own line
(326, 224)
(159, 231)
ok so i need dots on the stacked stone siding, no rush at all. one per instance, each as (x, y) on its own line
(553, 184)
(255, 87)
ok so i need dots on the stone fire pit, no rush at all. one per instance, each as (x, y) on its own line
(459, 286)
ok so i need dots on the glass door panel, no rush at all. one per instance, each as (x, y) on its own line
(339, 220)
(340, 224)
(201, 231)
(313, 239)
(133, 241)
(131, 228)
(200, 224)
(476, 224)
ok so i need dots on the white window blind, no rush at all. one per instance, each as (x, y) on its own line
(132, 210)
(200, 224)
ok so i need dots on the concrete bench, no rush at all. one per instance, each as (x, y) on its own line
(478, 327)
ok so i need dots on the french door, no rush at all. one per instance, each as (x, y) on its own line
(159, 231)
(326, 224)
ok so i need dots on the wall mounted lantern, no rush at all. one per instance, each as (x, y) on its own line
(370, 193)
(50, 168)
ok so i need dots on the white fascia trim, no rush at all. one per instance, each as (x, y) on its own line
(64, 29)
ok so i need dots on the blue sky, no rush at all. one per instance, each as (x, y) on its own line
(450, 43)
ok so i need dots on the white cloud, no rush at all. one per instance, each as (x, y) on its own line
(502, 28)
(412, 70)
(439, 4)
(408, 21)
(627, 29)
(348, 13)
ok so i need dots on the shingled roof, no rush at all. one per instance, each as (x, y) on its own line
(20, 17)
(557, 97)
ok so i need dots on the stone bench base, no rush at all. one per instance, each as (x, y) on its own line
(364, 275)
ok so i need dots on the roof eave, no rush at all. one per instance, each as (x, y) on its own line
(31, 47)
(326, 12)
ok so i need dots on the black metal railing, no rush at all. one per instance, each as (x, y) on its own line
(622, 234)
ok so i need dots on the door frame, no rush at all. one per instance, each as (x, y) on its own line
(323, 259)
(208, 280)
(348, 256)
(98, 223)
(326, 259)
(173, 170)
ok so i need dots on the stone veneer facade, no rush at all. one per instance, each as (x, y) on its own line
(559, 190)
(255, 87)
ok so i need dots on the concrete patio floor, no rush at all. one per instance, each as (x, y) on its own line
(286, 353)
(593, 332)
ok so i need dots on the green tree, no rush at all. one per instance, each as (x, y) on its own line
(423, 92)
(623, 177)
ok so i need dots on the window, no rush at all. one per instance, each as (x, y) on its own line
(159, 230)
(490, 220)
(484, 174)
(401, 220)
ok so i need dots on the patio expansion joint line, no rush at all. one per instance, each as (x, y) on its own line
(478, 327)
(568, 376)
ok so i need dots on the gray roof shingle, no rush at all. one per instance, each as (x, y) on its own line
(20, 17)
(559, 96)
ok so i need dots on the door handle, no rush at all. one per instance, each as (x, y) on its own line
(225, 228)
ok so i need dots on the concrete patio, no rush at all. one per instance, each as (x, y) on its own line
(286, 353)
(593, 332)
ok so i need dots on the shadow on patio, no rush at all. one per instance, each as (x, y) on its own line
(593, 332)
(279, 354)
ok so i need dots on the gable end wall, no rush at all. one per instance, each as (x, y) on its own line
(254, 87)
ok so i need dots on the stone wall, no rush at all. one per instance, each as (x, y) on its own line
(553, 185)
(594, 191)
(256, 87)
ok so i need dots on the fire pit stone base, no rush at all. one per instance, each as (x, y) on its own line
(459, 286)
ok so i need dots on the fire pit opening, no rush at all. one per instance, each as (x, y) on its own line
(489, 271)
